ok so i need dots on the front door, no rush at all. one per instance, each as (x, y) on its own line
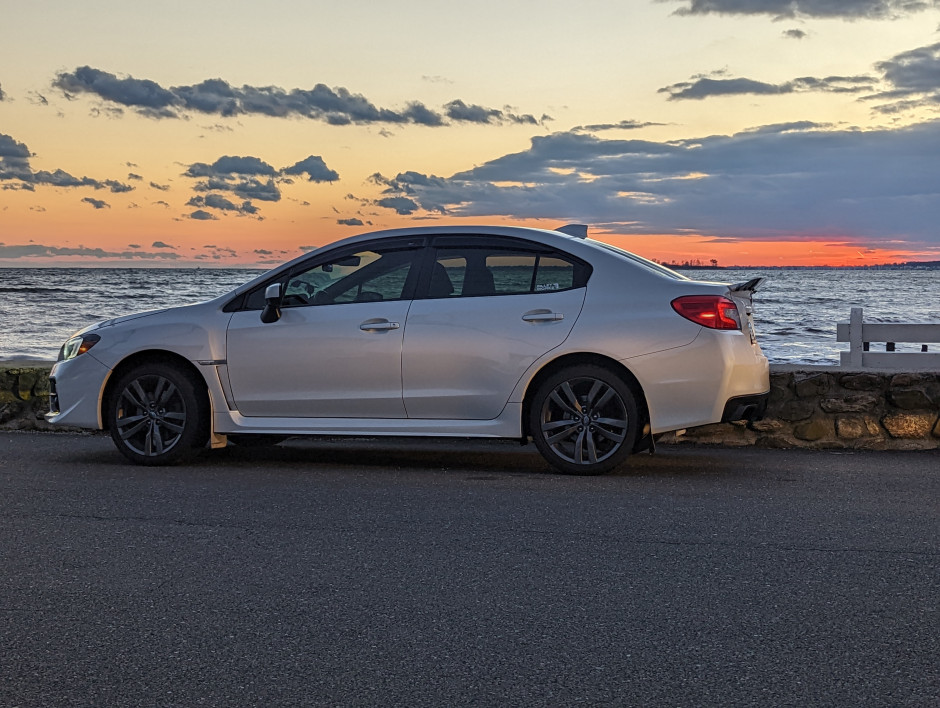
(335, 352)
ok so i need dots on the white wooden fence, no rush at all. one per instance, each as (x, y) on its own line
(859, 335)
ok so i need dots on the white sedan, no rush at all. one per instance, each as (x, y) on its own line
(463, 331)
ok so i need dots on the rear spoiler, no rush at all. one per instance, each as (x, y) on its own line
(750, 286)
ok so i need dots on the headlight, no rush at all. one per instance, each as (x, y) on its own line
(78, 345)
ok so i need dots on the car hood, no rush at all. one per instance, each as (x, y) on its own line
(114, 321)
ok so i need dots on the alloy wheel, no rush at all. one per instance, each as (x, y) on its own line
(150, 415)
(584, 421)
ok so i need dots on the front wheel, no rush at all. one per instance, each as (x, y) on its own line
(584, 420)
(157, 415)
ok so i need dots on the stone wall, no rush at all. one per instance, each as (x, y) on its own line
(24, 396)
(831, 407)
(810, 407)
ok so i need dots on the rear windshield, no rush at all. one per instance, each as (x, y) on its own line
(650, 265)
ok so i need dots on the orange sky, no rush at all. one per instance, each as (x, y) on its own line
(748, 134)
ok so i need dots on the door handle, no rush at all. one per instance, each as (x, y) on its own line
(542, 316)
(378, 326)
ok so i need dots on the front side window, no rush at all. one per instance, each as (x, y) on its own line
(368, 275)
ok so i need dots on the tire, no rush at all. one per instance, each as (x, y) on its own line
(158, 415)
(584, 420)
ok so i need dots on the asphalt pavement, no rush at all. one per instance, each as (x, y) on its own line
(442, 573)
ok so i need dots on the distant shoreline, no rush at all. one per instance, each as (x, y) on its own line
(908, 265)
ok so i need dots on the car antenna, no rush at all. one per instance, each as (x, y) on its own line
(576, 230)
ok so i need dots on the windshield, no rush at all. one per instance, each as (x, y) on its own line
(651, 265)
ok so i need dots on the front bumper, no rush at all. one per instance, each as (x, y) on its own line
(76, 387)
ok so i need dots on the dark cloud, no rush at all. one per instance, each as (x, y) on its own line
(335, 106)
(349, 222)
(706, 87)
(250, 179)
(202, 215)
(776, 181)
(15, 167)
(134, 177)
(912, 80)
(96, 203)
(217, 201)
(231, 165)
(40, 251)
(402, 205)
(459, 111)
(3, 96)
(315, 169)
(622, 125)
(907, 81)
(161, 187)
(161, 244)
(788, 9)
(794, 34)
(145, 95)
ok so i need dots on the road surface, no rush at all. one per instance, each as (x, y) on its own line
(371, 573)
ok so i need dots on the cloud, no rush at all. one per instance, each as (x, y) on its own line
(349, 222)
(315, 169)
(789, 9)
(145, 95)
(334, 106)
(33, 250)
(794, 34)
(96, 203)
(248, 178)
(231, 165)
(905, 82)
(161, 244)
(3, 96)
(459, 111)
(402, 205)
(912, 80)
(217, 201)
(706, 87)
(622, 125)
(15, 168)
(771, 182)
(202, 215)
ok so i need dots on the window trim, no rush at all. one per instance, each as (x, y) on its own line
(418, 244)
(582, 274)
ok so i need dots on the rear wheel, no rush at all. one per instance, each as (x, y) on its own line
(157, 415)
(584, 420)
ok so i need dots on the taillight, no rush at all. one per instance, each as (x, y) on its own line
(712, 311)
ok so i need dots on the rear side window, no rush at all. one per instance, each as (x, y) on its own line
(473, 271)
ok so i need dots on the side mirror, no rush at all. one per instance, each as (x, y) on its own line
(272, 301)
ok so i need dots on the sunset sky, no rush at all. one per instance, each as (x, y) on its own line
(242, 133)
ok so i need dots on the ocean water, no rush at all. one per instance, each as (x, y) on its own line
(796, 311)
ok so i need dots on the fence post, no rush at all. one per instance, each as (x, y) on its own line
(855, 337)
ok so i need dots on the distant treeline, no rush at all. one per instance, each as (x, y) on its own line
(908, 265)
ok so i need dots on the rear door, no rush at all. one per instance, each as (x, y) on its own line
(487, 312)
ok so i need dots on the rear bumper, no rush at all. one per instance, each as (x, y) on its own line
(747, 408)
(714, 378)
